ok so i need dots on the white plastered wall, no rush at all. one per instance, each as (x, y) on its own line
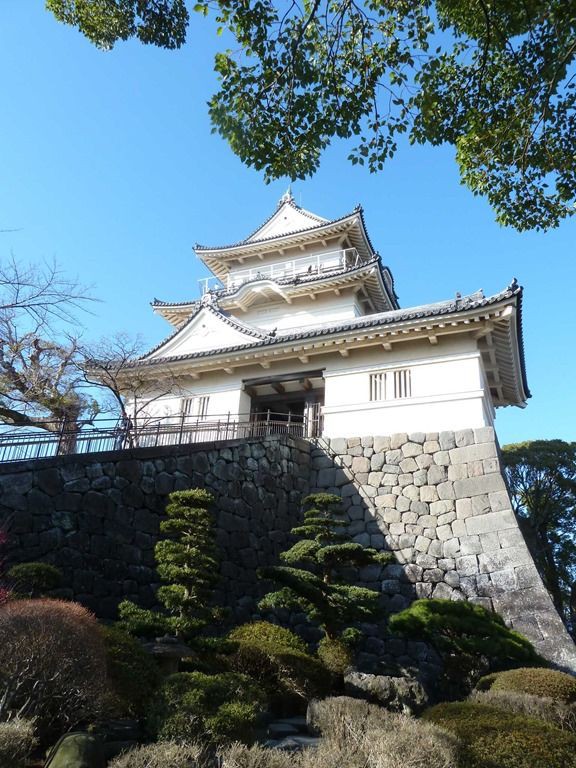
(448, 389)
(303, 312)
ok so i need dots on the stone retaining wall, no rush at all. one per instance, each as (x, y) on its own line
(97, 516)
(439, 501)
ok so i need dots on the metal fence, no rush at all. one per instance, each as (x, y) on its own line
(113, 435)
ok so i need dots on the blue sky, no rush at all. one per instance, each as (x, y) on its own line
(108, 165)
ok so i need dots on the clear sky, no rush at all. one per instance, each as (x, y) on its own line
(108, 165)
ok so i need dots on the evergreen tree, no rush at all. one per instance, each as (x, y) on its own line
(188, 564)
(317, 568)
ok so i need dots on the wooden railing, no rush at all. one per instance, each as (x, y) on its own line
(107, 435)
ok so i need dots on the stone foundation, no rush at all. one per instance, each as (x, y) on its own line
(440, 503)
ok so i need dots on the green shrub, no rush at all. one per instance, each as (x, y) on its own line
(470, 640)
(132, 672)
(165, 754)
(220, 707)
(17, 740)
(563, 716)
(535, 681)
(335, 655)
(34, 579)
(263, 632)
(493, 738)
(277, 659)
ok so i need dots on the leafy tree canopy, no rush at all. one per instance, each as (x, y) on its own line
(496, 80)
(542, 479)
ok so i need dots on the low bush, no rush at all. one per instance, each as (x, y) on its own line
(238, 755)
(335, 655)
(17, 740)
(358, 733)
(52, 663)
(563, 716)
(470, 639)
(277, 659)
(164, 754)
(221, 707)
(34, 579)
(533, 680)
(132, 672)
(494, 738)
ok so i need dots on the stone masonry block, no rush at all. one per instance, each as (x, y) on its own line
(511, 538)
(491, 541)
(442, 458)
(424, 460)
(457, 471)
(446, 490)
(408, 465)
(467, 565)
(504, 559)
(451, 548)
(459, 528)
(447, 440)
(437, 474)
(411, 449)
(444, 532)
(470, 545)
(463, 437)
(476, 486)
(381, 444)
(499, 500)
(527, 576)
(473, 453)
(428, 493)
(441, 507)
(484, 435)
(491, 521)
(360, 464)
(417, 437)
(431, 446)
(398, 439)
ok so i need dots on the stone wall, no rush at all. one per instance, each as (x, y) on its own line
(439, 501)
(97, 516)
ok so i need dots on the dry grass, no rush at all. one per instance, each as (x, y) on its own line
(165, 754)
(17, 740)
(563, 716)
(238, 755)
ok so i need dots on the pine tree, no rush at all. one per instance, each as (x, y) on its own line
(317, 568)
(187, 563)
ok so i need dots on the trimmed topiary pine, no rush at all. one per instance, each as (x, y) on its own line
(316, 571)
(187, 563)
(470, 639)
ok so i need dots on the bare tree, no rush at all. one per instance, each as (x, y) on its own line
(40, 292)
(129, 389)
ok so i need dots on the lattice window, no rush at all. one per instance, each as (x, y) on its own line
(391, 385)
(195, 407)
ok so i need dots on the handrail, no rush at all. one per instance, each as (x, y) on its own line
(150, 432)
(316, 264)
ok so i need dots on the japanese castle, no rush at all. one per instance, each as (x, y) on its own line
(300, 326)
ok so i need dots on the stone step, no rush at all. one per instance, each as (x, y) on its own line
(294, 743)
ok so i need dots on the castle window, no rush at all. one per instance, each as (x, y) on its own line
(195, 407)
(391, 385)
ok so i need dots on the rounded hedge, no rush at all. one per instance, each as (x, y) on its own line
(536, 681)
(268, 633)
(335, 655)
(493, 738)
(35, 579)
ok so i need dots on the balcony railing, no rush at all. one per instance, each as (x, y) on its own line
(111, 435)
(308, 266)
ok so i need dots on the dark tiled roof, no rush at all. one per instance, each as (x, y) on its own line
(451, 306)
(247, 241)
(221, 315)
